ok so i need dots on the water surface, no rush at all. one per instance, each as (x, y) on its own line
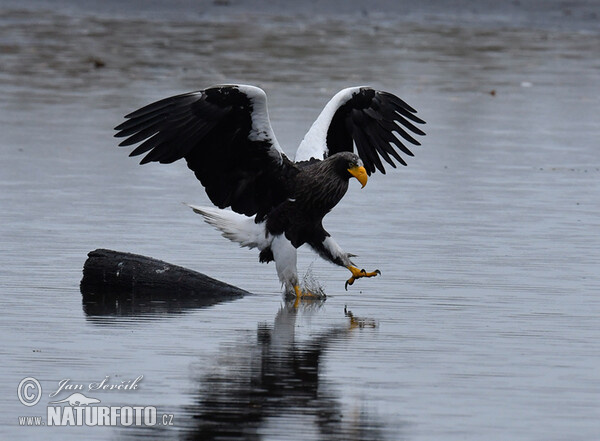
(486, 312)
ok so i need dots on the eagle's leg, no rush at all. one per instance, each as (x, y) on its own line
(303, 294)
(285, 256)
(330, 250)
(358, 273)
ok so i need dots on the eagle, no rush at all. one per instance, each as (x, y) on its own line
(266, 200)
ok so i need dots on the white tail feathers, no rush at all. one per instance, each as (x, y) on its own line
(235, 227)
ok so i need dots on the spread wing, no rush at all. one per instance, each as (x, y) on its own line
(225, 135)
(377, 123)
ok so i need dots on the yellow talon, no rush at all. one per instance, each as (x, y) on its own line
(300, 294)
(357, 274)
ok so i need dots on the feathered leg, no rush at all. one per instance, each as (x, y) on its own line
(284, 254)
(330, 250)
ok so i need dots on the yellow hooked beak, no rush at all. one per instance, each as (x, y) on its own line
(359, 173)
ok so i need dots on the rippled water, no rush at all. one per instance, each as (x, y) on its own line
(484, 323)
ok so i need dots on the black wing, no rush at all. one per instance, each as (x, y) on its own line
(366, 118)
(226, 138)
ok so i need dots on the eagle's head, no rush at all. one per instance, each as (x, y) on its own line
(349, 165)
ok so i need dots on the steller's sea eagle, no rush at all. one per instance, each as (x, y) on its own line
(277, 205)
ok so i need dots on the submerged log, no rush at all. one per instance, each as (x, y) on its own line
(121, 283)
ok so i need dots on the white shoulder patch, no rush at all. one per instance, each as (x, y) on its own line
(261, 125)
(314, 144)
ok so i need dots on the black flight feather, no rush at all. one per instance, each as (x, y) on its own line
(213, 131)
(369, 120)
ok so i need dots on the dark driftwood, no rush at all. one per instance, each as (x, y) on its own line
(127, 284)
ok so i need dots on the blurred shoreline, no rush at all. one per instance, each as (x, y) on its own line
(574, 16)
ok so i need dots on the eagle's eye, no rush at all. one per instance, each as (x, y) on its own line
(351, 164)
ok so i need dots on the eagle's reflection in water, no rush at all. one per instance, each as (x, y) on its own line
(273, 389)
(269, 386)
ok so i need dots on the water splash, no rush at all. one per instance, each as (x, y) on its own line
(311, 284)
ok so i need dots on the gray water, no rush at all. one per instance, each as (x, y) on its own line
(484, 323)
